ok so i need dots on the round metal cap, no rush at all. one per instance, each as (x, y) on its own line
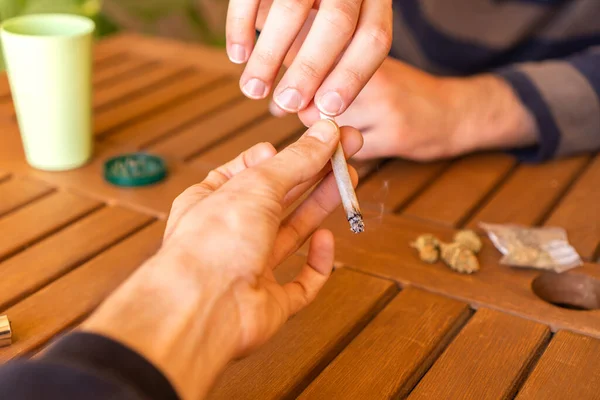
(134, 170)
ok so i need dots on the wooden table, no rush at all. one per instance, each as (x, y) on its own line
(384, 326)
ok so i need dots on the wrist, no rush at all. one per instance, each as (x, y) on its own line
(489, 115)
(179, 316)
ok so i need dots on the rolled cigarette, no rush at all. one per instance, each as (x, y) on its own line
(347, 193)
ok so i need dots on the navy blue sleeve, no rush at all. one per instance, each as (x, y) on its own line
(564, 98)
(84, 366)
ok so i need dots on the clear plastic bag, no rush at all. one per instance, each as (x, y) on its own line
(545, 248)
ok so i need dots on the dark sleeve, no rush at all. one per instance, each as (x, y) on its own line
(563, 96)
(84, 366)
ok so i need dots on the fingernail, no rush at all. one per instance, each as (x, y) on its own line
(290, 100)
(237, 53)
(275, 110)
(324, 130)
(330, 103)
(255, 89)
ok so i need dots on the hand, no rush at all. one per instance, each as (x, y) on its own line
(405, 112)
(331, 53)
(209, 294)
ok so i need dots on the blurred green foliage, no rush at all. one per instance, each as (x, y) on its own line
(88, 8)
(193, 20)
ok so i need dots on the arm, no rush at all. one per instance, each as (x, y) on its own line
(209, 295)
(564, 98)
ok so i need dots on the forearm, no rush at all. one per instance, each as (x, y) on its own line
(178, 317)
(489, 114)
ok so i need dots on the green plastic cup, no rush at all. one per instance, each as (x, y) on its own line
(48, 59)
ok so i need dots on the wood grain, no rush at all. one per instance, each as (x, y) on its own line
(160, 97)
(155, 73)
(396, 182)
(181, 117)
(272, 130)
(40, 218)
(18, 191)
(223, 123)
(307, 342)
(578, 212)
(537, 188)
(383, 250)
(487, 360)
(567, 370)
(59, 305)
(47, 260)
(461, 188)
(393, 352)
(118, 68)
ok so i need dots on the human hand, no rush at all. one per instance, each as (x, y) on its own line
(405, 112)
(209, 294)
(332, 48)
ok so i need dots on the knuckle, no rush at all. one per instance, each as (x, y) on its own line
(380, 37)
(354, 78)
(266, 57)
(309, 69)
(294, 6)
(342, 18)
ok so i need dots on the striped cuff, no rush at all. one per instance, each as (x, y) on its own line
(549, 134)
(563, 97)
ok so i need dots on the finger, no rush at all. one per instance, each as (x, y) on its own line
(284, 21)
(297, 163)
(362, 113)
(379, 144)
(276, 111)
(247, 159)
(305, 219)
(313, 276)
(239, 29)
(330, 33)
(215, 179)
(367, 51)
(352, 141)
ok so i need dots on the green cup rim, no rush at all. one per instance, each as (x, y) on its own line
(86, 30)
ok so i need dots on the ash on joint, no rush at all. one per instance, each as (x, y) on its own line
(356, 223)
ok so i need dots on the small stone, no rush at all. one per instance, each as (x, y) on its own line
(459, 258)
(469, 239)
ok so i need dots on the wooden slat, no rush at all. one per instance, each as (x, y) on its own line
(40, 218)
(462, 186)
(44, 262)
(487, 360)
(118, 68)
(307, 342)
(160, 97)
(578, 212)
(393, 352)
(66, 301)
(567, 370)
(384, 250)
(273, 130)
(537, 188)
(194, 138)
(135, 83)
(168, 122)
(396, 182)
(18, 191)
(168, 49)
